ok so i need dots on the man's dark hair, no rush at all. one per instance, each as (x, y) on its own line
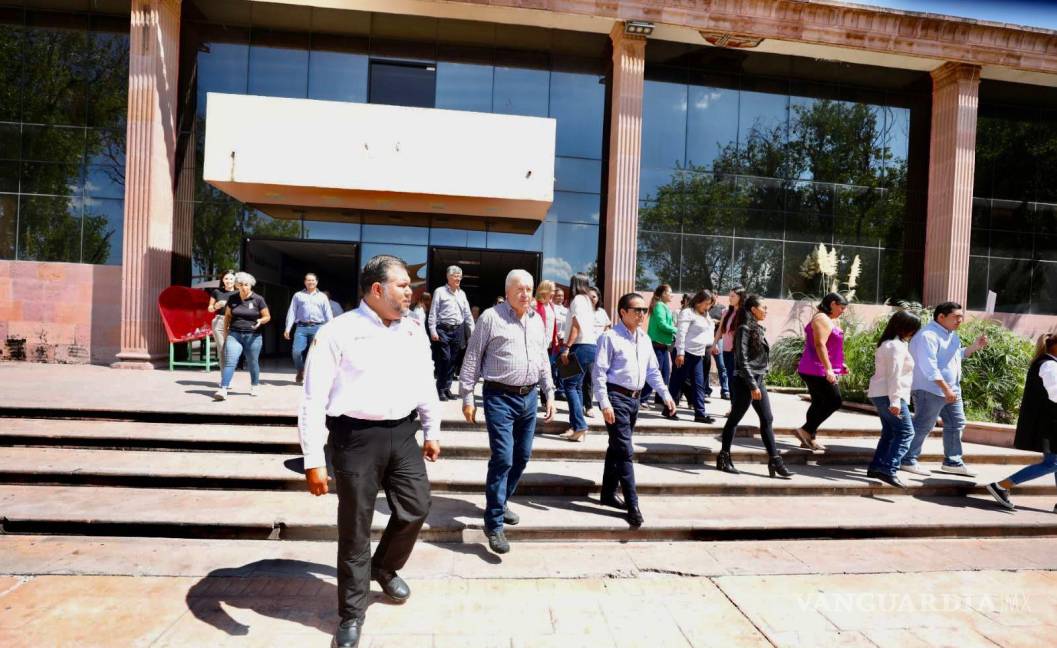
(946, 308)
(625, 301)
(377, 270)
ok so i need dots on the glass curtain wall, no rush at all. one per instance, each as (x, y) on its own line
(745, 175)
(1014, 231)
(63, 104)
(479, 67)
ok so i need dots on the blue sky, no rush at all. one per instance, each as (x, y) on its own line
(1035, 13)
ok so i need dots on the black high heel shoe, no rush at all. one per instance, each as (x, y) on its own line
(776, 467)
(724, 464)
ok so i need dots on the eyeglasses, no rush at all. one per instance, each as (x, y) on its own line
(640, 310)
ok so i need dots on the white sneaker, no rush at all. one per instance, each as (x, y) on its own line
(914, 469)
(221, 394)
(960, 469)
(253, 390)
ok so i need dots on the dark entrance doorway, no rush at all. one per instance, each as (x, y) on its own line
(483, 271)
(280, 265)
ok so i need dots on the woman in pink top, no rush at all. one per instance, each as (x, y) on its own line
(821, 363)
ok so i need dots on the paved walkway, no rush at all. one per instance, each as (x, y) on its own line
(92, 388)
(149, 592)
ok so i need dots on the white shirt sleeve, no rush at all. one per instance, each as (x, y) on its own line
(290, 312)
(320, 372)
(1048, 373)
(892, 355)
(467, 314)
(428, 406)
(685, 319)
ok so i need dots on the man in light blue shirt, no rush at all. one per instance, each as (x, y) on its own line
(449, 313)
(936, 391)
(309, 309)
(625, 362)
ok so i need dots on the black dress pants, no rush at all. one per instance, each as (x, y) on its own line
(366, 460)
(620, 467)
(825, 400)
(450, 350)
(740, 401)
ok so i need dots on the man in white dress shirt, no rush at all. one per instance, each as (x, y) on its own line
(368, 376)
(448, 314)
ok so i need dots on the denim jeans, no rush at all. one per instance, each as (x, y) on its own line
(696, 368)
(928, 406)
(246, 344)
(585, 353)
(511, 423)
(721, 373)
(728, 369)
(1048, 466)
(303, 336)
(664, 360)
(896, 434)
(558, 389)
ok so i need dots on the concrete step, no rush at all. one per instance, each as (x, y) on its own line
(457, 517)
(144, 468)
(466, 444)
(37, 555)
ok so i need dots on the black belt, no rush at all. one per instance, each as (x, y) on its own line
(633, 393)
(661, 347)
(510, 389)
(448, 327)
(309, 323)
(363, 424)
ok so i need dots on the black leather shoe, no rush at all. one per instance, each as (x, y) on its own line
(704, 419)
(635, 517)
(510, 517)
(497, 541)
(776, 467)
(442, 396)
(348, 635)
(451, 396)
(393, 586)
(891, 480)
(613, 500)
(668, 415)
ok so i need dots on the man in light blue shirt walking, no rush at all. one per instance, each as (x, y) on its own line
(309, 309)
(625, 362)
(936, 391)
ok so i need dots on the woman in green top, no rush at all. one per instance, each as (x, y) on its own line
(662, 332)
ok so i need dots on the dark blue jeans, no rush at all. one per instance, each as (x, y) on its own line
(558, 389)
(664, 359)
(619, 471)
(695, 368)
(511, 423)
(303, 336)
(896, 434)
(245, 344)
(586, 354)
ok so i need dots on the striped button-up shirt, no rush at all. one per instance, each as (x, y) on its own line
(508, 349)
(449, 308)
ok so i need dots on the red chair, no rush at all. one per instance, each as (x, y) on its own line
(185, 314)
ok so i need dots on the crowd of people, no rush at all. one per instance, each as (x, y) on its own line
(530, 348)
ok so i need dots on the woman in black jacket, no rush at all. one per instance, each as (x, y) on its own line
(1037, 424)
(751, 359)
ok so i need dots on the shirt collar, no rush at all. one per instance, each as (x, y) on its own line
(622, 328)
(509, 310)
(940, 329)
(369, 313)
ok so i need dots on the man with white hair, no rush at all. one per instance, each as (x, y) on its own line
(450, 325)
(508, 350)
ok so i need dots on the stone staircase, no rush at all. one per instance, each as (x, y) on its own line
(186, 475)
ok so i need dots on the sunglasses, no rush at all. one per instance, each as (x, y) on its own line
(639, 310)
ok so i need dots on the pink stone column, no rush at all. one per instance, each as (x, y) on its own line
(149, 177)
(952, 162)
(625, 146)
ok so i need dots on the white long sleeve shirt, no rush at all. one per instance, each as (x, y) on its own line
(893, 372)
(695, 333)
(1048, 373)
(359, 367)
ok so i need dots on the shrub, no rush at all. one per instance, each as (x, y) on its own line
(992, 380)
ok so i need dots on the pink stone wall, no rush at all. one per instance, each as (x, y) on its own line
(59, 312)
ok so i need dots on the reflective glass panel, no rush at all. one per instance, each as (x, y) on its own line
(223, 63)
(108, 71)
(11, 48)
(278, 64)
(712, 125)
(577, 174)
(8, 225)
(102, 231)
(758, 264)
(577, 101)
(520, 91)
(414, 255)
(659, 259)
(331, 230)
(49, 229)
(576, 207)
(337, 70)
(400, 84)
(569, 249)
(55, 56)
(395, 234)
(707, 263)
(464, 86)
(664, 125)
(1044, 288)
